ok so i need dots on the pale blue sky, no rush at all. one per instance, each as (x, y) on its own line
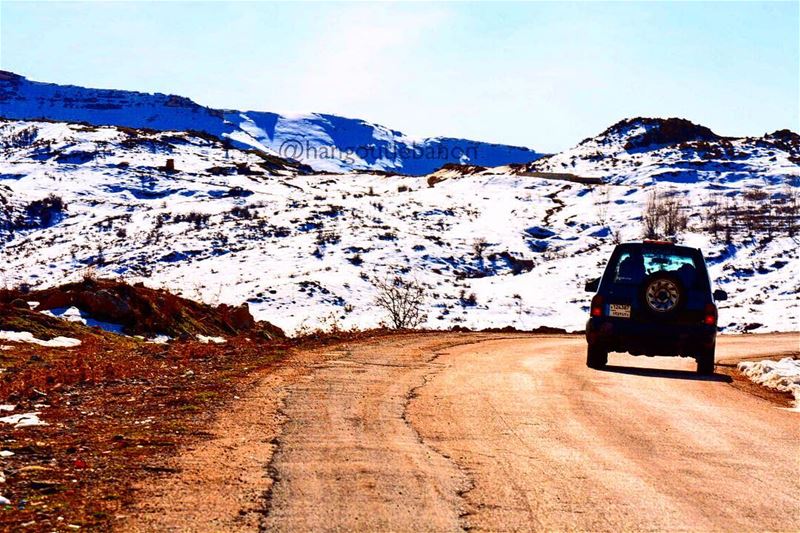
(544, 75)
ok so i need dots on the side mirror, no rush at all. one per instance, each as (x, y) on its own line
(720, 295)
(592, 285)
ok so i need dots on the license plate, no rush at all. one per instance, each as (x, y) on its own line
(620, 311)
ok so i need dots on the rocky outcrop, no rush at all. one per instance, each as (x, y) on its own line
(145, 311)
(643, 133)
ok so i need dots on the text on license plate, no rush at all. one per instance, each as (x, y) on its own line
(620, 311)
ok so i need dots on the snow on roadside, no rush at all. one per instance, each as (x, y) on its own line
(159, 339)
(3, 499)
(207, 340)
(27, 336)
(23, 420)
(20, 420)
(783, 375)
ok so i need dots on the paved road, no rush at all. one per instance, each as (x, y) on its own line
(502, 433)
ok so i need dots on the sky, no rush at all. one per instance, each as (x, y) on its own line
(542, 75)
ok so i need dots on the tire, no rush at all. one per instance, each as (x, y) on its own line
(662, 294)
(596, 357)
(705, 362)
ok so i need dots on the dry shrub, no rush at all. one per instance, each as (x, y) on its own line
(663, 217)
(403, 301)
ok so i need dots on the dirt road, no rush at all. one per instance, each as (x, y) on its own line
(489, 432)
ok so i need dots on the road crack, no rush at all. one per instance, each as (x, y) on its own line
(345, 432)
(466, 483)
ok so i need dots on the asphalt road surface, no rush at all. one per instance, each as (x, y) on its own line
(447, 432)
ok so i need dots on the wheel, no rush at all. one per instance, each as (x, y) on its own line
(662, 294)
(596, 357)
(705, 362)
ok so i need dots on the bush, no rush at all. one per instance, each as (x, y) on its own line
(198, 219)
(791, 211)
(714, 217)
(479, 245)
(242, 212)
(673, 219)
(403, 300)
(468, 300)
(663, 217)
(45, 212)
(602, 202)
(650, 217)
(752, 213)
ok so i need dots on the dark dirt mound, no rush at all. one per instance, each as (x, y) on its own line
(445, 170)
(144, 311)
(14, 317)
(785, 134)
(465, 169)
(660, 132)
(664, 132)
(784, 139)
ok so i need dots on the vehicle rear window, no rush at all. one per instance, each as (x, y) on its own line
(632, 267)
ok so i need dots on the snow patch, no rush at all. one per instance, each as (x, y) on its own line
(783, 375)
(23, 420)
(27, 336)
(207, 340)
(73, 314)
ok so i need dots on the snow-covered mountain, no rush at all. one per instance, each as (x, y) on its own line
(650, 151)
(493, 247)
(326, 142)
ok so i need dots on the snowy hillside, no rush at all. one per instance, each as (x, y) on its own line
(493, 248)
(326, 142)
(647, 151)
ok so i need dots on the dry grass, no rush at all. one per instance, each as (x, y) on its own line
(116, 407)
(112, 408)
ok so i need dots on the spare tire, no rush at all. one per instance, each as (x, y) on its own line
(663, 293)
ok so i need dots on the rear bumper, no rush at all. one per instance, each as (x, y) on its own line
(637, 338)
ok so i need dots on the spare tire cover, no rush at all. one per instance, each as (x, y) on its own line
(663, 293)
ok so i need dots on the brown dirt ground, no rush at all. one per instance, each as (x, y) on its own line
(484, 431)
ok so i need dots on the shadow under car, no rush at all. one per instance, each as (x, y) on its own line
(667, 373)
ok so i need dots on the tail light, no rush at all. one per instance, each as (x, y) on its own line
(597, 306)
(710, 315)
